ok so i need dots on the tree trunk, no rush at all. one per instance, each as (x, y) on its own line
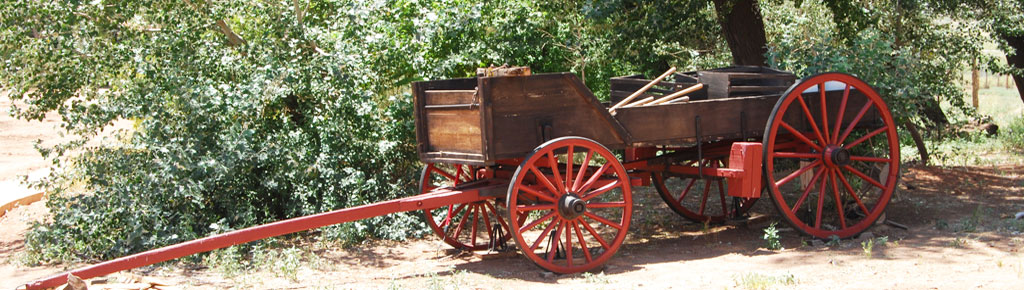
(975, 85)
(933, 112)
(743, 28)
(1016, 60)
(918, 141)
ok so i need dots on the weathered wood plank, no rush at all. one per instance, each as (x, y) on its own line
(449, 97)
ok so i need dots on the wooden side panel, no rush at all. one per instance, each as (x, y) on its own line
(524, 112)
(675, 124)
(454, 130)
(448, 123)
(733, 118)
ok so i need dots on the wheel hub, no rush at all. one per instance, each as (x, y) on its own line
(571, 206)
(836, 156)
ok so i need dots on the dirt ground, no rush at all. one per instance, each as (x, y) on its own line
(961, 235)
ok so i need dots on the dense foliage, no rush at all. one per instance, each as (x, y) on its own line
(246, 112)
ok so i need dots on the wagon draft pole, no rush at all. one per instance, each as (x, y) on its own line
(534, 159)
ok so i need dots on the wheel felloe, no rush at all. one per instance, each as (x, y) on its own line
(570, 205)
(831, 156)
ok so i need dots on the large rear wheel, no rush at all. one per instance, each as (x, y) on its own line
(831, 155)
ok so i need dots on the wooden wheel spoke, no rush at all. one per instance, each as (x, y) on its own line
(606, 204)
(866, 137)
(568, 245)
(544, 234)
(800, 136)
(821, 203)
(596, 236)
(853, 124)
(594, 178)
(824, 113)
(476, 223)
(487, 220)
(602, 190)
(603, 220)
(568, 168)
(462, 223)
(870, 159)
(687, 190)
(557, 180)
(443, 173)
(501, 220)
(863, 176)
(807, 191)
(842, 111)
(810, 119)
(558, 238)
(721, 197)
(529, 190)
(853, 194)
(536, 222)
(458, 174)
(704, 198)
(582, 242)
(451, 212)
(795, 155)
(799, 172)
(543, 179)
(525, 208)
(583, 171)
(835, 195)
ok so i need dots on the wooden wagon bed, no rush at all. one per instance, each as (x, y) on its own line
(481, 120)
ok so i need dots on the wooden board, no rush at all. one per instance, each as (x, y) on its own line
(527, 111)
(729, 118)
(507, 117)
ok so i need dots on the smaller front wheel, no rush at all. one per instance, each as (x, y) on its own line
(470, 226)
(570, 205)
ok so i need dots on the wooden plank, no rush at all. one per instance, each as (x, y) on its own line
(454, 130)
(449, 97)
(778, 89)
(670, 123)
(527, 111)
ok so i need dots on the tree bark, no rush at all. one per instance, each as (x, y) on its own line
(743, 28)
(1016, 60)
(918, 141)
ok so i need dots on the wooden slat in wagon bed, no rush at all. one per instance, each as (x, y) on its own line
(675, 124)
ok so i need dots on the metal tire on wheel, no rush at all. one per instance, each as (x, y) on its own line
(700, 200)
(829, 177)
(470, 225)
(575, 200)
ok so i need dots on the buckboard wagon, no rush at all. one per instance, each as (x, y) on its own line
(539, 160)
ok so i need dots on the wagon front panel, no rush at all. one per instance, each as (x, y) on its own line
(449, 123)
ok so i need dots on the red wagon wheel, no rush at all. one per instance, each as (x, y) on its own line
(831, 155)
(700, 200)
(571, 204)
(468, 226)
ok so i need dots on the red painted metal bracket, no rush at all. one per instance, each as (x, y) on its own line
(434, 199)
(746, 158)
